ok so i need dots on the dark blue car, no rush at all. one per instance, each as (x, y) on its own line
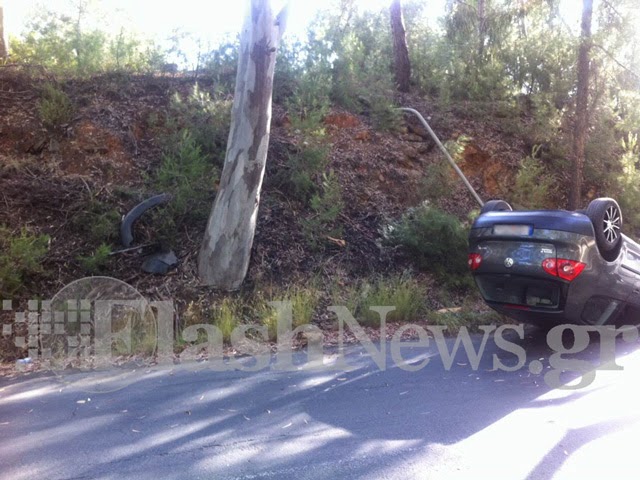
(554, 266)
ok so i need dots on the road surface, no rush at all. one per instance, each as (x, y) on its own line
(364, 421)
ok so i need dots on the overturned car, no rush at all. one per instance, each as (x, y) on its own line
(554, 266)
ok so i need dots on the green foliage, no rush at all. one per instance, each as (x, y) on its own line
(437, 182)
(304, 301)
(55, 106)
(399, 291)
(435, 240)
(456, 147)
(628, 194)
(20, 258)
(327, 205)
(189, 176)
(206, 115)
(535, 186)
(62, 43)
(403, 293)
(383, 109)
(303, 168)
(97, 261)
(309, 102)
(603, 152)
(194, 131)
(226, 316)
(98, 221)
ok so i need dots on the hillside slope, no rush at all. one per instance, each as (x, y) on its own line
(51, 180)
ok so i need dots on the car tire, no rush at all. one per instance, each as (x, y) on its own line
(606, 217)
(496, 206)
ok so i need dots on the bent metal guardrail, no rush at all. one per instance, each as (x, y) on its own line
(446, 154)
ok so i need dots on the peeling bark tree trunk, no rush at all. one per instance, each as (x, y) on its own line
(402, 65)
(3, 45)
(582, 113)
(226, 249)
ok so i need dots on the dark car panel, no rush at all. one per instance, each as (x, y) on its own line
(512, 280)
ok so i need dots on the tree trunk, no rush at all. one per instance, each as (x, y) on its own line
(402, 64)
(582, 111)
(4, 53)
(224, 256)
(482, 28)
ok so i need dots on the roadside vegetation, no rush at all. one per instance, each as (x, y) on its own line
(381, 225)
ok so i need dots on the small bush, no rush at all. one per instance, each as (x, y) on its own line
(435, 240)
(97, 261)
(310, 103)
(383, 109)
(327, 206)
(190, 177)
(437, 182)
(304, 301)
(535, 187)
(20, 258)
(457, 147)
(226, 316)
(98, 221)
(403, 293)
(55, 107)
(207, 118)
(299, 176)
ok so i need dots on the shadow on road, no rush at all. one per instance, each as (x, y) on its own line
(363, 422)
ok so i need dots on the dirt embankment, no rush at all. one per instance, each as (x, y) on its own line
(107, 151)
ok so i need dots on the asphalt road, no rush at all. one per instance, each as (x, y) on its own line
(364, 421)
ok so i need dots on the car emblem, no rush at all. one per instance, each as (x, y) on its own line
(508, 262)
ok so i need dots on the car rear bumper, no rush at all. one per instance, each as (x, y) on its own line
(511, 277)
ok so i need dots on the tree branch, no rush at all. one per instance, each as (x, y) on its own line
(610, 55)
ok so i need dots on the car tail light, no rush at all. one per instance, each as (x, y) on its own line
(475, 259)
(565, 269)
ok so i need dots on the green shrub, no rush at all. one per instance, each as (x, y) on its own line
(628, 184)
(226, 316)
(535, 186)
(20, 258)
(403, 293)
(310, 103)
(435, 240)
(298, 178)
(385, 114)
(327, 205)
(304, 301)
(63, 44)
(189, 176)
(207, 118)
(55, 106)
(97, 261)
(194, 133)
(437, 182)
(98, 221)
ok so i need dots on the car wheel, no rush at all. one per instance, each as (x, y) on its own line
(496, 206)
(606, 217)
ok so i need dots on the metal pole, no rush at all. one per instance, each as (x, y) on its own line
(446, 154)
